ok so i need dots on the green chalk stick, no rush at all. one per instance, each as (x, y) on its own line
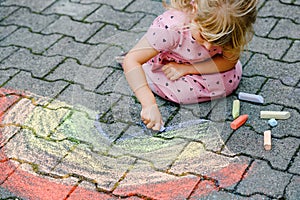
(235, 109)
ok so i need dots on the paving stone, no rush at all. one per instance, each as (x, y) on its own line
(83, 52)
(6, 11)
(293, 53)
(35, 150)
(34, 6)
(6, 51)
(41, 187)
(144, 23)
(116, 83)
(143, 180)
(39, 66)
(292, 191)
(105, 171)
(36, 42)
(251, 85)
(66, 26)
(262, 66)
(6, 31)
(121, 19)
(264, 180)
(23, 17)
(75, 10)
(117, 4)
(273, 48)
(107, 58)
(295, 167)
(263, 26)
(285, 28)
(88, 101)
(6, 74)
(108, 34)
(88, 77)
(275, 92)
(23, 81)
(250, 143)
(288, 127)
(278, 9)
(146, 6)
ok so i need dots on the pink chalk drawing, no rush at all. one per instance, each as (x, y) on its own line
(50, 150)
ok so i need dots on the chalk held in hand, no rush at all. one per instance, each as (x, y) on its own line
(275, 114)
(251, 97)
(267, 140)
(235, 109)
(238, 122)
(272, 122)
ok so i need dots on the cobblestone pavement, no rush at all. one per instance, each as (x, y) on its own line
(69, 124)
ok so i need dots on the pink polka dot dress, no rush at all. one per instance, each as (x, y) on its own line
(170, 35)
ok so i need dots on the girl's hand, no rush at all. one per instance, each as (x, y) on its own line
(174, 71)
(151, 117)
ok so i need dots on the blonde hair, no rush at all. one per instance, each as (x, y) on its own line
(226, 23)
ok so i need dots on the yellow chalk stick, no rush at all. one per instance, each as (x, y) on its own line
(235, 109)
(267, 140)
(275, 114)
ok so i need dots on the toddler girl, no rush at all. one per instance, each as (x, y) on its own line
(190, 54)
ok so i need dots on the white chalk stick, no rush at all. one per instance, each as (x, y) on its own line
(275, 114)
(267, 140)
(162, 128)
(251, 97)
(235, 109)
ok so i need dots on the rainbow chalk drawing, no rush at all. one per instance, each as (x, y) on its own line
(53, 150)
(275, 114)
(251, 97)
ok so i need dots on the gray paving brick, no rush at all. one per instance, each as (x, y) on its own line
(277, 9)
(262, 179)
(6, 30)
(261, 65)
(147, 6)
(88, 77)
(6, 74)
(251, 85)
(37, 6)
(85, 53)
(263, 26)
(286, 28)
(107, 58)
(39, 66)
(117, 4)
(121, 19)
(248, 142)
(66, 26)
(275, 92)
(24, 82)
(292, 191)
(274, 48)
(144, 23)
(23, 17)
(6, 51)
(74, 10)
(6, 11)
(108, 34)
(295, 168)
(83, 100)
(293, 53)
(36, 42)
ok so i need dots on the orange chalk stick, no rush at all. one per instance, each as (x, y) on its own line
(238, 122)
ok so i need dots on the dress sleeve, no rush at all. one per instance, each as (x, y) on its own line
(163, 33)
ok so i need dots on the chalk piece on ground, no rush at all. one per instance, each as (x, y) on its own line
(251, 97)
(235, 109)
(272, 122)
(267, 140)
(238, 122)
(275, 114)
(162, 129)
